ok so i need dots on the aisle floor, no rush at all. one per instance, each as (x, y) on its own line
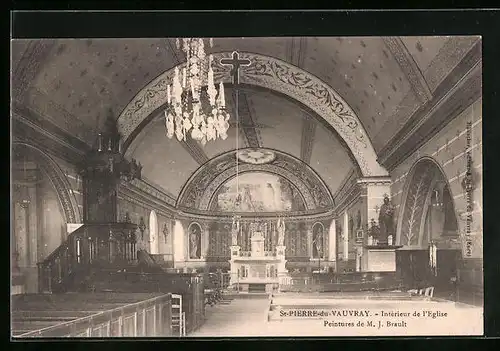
(236, 317)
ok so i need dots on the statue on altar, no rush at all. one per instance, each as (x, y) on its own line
(385, 220)
(281, 232)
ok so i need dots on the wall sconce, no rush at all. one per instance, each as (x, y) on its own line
(165, 232)
(142, 227)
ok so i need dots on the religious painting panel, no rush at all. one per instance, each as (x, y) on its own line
(259, 192)
(194, 239)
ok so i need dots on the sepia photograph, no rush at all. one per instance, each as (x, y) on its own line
(246, 186)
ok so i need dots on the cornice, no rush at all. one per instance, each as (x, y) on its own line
(454, 95)
(29, 126)
(190, 214)
(374, 181)
(352, 195)
(137, 196)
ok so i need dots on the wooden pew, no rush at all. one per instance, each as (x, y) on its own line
(189, 285)
(60, 315)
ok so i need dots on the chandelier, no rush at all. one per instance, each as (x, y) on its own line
(193, 103)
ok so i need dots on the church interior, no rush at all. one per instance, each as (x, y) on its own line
(166, 187)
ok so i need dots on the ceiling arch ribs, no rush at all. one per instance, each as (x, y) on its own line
(247, 124)
(276, 75)
(307, 141)
(30, 64)
(296, 51)
(409, 67)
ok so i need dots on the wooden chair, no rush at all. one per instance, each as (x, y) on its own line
(429, 291)
(178, 316)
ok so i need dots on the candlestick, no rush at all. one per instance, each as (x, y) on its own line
(119, 145)
(100, 142)
(168, 94)
(184, 77)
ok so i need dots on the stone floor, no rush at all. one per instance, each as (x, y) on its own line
(235, 317)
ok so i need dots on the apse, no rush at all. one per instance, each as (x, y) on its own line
(259, 192)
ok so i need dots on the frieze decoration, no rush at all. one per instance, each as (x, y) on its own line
(57, 179)
(273, 74)
(201, 187)
(151, 190)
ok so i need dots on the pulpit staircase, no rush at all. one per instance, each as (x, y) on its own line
(89, 248)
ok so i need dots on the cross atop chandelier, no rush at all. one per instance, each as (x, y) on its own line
(194, 104)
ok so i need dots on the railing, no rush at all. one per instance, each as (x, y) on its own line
(89, 244)
(151, 317)
(249, 253)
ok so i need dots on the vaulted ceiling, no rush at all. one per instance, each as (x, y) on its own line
(74, 83)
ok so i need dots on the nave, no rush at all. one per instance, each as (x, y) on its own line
(230, 178)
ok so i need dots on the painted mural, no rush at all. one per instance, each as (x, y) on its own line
(258, 192)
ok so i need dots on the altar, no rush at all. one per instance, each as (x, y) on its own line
(379, 258)
(257, 270)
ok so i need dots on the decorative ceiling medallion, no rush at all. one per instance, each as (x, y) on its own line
(256, 156)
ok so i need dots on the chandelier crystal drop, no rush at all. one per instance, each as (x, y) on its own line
(193, 103)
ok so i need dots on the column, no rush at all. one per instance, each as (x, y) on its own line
(20, 248)
(205, 233)
(32, 228)
(309, 239)
(332, 242)
(179, 246)
(346, 237)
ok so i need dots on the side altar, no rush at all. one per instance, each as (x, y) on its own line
(257, 270)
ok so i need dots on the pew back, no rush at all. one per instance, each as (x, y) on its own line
(92, 315)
